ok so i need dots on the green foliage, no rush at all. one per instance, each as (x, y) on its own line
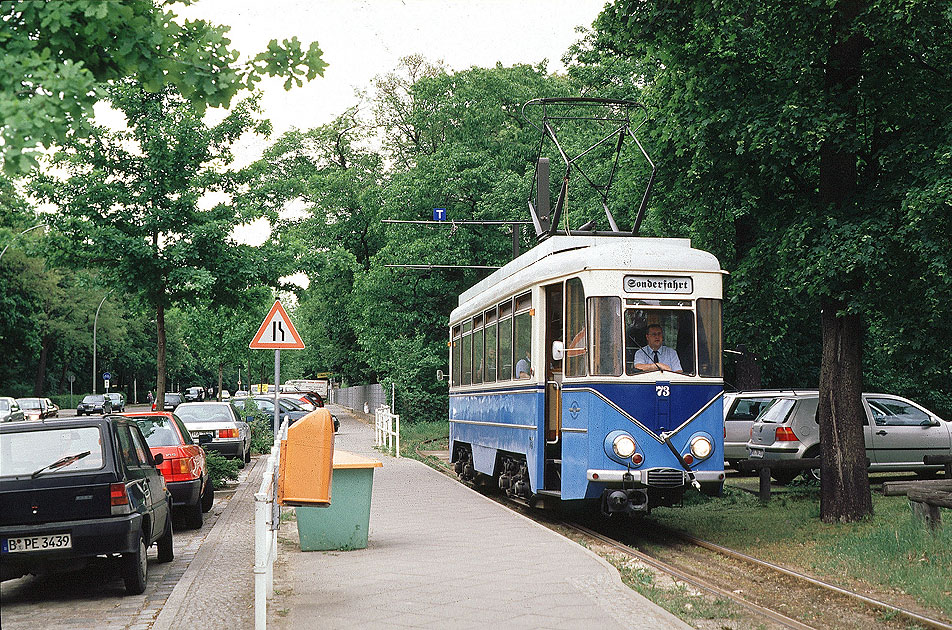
(220, 468)
(58, 56)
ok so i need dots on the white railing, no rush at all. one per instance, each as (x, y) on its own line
(267, 521)
(387, 429)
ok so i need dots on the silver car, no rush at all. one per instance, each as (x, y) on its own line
(898, 433)
(740, 411)
(230, 435)
(9, 410)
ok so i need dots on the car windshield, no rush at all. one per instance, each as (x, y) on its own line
(26, 452)
(93, 399)
(778, 411)
(4, 405)
(29, 403)
(173, 398)
(158, 431)
(205, 413)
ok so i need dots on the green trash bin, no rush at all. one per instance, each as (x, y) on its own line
(344, 524)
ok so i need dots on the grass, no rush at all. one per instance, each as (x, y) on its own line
(891, 550)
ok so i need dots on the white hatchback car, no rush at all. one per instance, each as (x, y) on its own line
(898, 433)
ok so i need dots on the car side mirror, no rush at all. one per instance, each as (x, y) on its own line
(158, 458)
(930, 422)
(204, 439)
(558, 350)
(439, 375)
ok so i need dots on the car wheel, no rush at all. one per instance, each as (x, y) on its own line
(241, 460)
(135, 568)
(194, 516)
(248, 454)
(783, 477)
(164, 544)
(208, 497)
(812, 474)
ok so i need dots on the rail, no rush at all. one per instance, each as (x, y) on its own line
(267, 521)
(387, 429)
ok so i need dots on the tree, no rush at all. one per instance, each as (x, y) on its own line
(58, 56)
(819, 132)
(130, 204)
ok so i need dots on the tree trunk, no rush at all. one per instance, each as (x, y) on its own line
(844, 482)
(160, 357)
(41, 368)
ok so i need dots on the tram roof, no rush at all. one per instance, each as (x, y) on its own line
(561, 255)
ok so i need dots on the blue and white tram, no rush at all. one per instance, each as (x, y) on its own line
(552, 392)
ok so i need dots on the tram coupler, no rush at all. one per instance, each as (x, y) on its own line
(624, 501)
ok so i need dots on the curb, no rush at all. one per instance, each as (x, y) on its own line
(172, 612)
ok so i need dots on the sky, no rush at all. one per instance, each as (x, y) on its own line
(362, 39)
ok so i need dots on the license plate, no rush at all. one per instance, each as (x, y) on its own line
(756, 454)
(37, 543)
(198, 434)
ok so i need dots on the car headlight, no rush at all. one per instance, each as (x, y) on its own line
(701, 447)
(624, 446)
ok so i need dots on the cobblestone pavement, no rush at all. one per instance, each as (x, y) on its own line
(95, 597)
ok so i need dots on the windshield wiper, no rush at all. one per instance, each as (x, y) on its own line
(60, 463)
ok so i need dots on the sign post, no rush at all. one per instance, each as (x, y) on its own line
(277, 333)
(106, 377)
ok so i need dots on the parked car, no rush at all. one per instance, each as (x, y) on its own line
(225, 395)
(94, 403)
(52, 405)
(172, 401)
(240, 394)
(229, 434)
(897, 432)
(740, 411)
(266, 405)
(73, 489)
(195, 394)
(183, 466)
(10, 410)
(35, 408)
(118, 401)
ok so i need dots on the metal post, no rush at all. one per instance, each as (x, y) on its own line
(39, 225)
(95, 324)
(277, 393)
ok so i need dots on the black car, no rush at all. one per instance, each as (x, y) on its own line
(77, 488)
(94, 403)
(195, 394)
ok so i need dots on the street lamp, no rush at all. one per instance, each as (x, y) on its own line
(38, 225)
(95, 324)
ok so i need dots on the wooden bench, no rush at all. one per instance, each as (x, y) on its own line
(925, 504)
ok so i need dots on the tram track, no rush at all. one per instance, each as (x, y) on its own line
(807, 602)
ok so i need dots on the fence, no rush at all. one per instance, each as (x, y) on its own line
(354, 397)
(387, 429)
(267, 521)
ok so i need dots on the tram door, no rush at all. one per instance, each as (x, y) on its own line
(553, 388)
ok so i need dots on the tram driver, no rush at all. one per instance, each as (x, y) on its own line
(656, 356)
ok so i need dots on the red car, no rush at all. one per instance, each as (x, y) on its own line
(183, 466)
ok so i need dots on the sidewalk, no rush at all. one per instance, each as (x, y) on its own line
(442, 556)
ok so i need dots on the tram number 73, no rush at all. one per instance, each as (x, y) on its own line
(663, 390)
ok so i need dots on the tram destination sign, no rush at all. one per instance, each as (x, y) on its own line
(659, 284)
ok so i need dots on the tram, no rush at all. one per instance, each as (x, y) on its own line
(557, 388)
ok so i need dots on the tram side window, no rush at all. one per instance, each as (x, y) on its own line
(456, 348)
(505, 341)
(709, 348)
(466, 354)
(576, 353)
(604, 315)
(490, 374)
(677, 326)
(478, 350)
(522, 339)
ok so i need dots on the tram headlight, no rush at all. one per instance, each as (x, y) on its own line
(624, 446)
(701, 447)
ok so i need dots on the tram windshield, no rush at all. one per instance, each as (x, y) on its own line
(636, 336)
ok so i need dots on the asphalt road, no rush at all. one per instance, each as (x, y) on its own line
(95, 597)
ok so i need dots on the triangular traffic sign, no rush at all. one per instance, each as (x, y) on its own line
(277, 332)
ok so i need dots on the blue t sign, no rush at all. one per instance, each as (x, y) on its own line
(439, 214)
(106, 376)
